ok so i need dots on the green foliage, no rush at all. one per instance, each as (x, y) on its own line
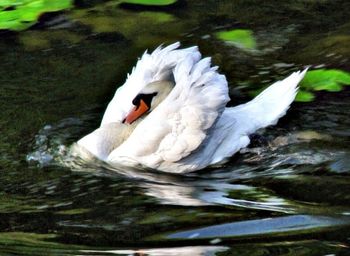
(36, 244)
(304, 96)
(150, 2)
(74, 211)
(242, 38)
(161, 27)
(18, 15)
(326, 79)
(331, 80)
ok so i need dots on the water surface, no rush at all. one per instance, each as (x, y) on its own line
(287, 196)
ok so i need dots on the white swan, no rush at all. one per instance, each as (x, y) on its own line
(171, 114)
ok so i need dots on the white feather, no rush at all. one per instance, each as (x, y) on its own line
(183, 117)
(270, 105)
(231, 132)
(150, 67)
(191, 128)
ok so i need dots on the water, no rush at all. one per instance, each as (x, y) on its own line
(286, 196)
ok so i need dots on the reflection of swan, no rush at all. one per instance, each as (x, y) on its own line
(187, 126)
(176, 251)
(195, 189)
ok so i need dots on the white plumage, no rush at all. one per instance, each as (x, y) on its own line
(188, 126)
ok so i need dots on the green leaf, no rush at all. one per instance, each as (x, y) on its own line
(25, 13)
(330, 86)
(325, 79)
(242, 38)
(56, 5)
(304, 96)
(150, 2)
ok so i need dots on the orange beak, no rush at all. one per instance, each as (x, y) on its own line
(136, 112)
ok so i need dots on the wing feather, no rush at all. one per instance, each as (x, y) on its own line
(179, 125)
(151, 67)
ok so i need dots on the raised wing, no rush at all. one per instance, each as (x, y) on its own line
(152, 67)
(182, 121)
(269, 106)
(232, 130)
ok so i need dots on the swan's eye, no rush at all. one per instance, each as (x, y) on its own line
(147, 98)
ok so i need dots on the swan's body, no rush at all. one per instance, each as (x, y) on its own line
(187, 126)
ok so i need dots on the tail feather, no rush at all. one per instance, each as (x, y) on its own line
(269, 105)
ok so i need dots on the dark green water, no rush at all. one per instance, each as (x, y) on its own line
(288, 197)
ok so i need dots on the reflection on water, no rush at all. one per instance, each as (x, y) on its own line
(285, 195)
(177, 251)
(262, 227)
(213, 187)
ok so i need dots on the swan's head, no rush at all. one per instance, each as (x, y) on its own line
(148, 99)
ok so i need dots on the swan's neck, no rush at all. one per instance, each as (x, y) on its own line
(112, 135)
(162, 88)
